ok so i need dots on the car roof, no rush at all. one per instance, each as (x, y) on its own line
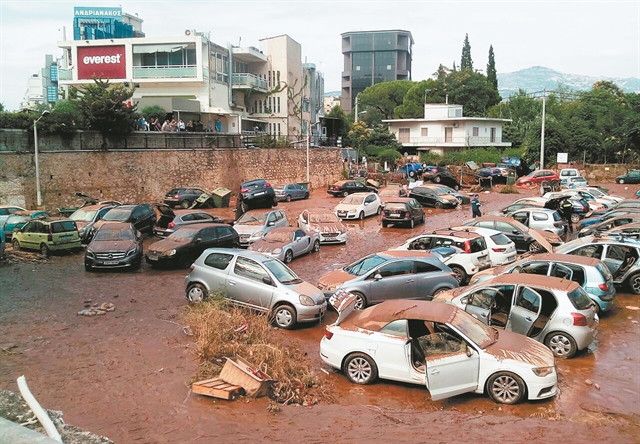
(399, 200)
(480, 230)
(95, 207)
(406, 253)
(377, 316)
(363, 194)
(535, 280)
(542, 210)
(573, 258)
(11, 206)
(342, 182)
(188, 211)
(201, 225)
(464, 233)
(115, 224)
(284, 229)
(254, 255)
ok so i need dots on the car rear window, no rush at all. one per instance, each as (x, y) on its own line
(63, 226)
(500, 239)
(579, 299)
(604, 270)
(395, 206)
(218, 260)
(477, 245)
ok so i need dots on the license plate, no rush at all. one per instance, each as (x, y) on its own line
(152, 258)
(340, 213)
(111, 262)
(511, 258)
(394, 215)
(259, 194)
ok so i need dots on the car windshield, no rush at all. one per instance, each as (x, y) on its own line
(114, 235)
(17, 219)
(579, 299)
(282, 273)
(118, 214)
(363, 266)
(252, 219)
(318, 218)
(184, 233)
(279, 236)
(83, 215)
(481, 334)
(353, 200)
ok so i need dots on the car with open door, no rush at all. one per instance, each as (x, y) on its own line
(287, 243)
(525, 238)
(438, 346)
(557, 312)
(541, 219)
(592, 275)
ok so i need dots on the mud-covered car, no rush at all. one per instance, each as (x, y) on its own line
(86, 217)
(391, 193)
(287, 243)
(525, 238)
(114, 245)
(345, 187)
(444, 189)
(326, 224)
(609, 224)
(46, 235)
(441, 175)
(255, 224)
(358, 206)
(438, 346)
(182, 197)
(429, 197)
(170, 220)
(256, 194)
(557, 312)
(402, 211)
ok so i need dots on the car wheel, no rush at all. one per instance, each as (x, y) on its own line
(634, 283)
(288, 198)
(360, 369)
(244, 207)
(87, 268)
(437, 179)
(506, 388)
(185, 261)
(437, 292)
(575, 218)
(438, 205)
(288, 257)
(535, 247)
(284, 317)
(44, 250)
(361, 301)
(316, 246)
(196, 293)
(620, 181)
(184, 204)
(456, 187)
(459, 274)
(561, 344)
(306, 195)
(15, 244)
(361, 215)
(422, 220)
(345, 194)
(384, 224)
(378, 211)
(412, 223)
(412, 174)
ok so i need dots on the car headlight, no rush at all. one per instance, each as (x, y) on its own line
(306, 300)
(277, 251)
(257, 234)
(169, 253)
(90, 253)
(132, 251)
(352, 211)
(542, 371)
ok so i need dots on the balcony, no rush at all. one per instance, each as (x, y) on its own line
(250, 54)
(453, 142)
(65, 74)
(165, 72)
(249, 81)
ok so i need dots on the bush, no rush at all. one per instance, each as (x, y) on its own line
(509, 189)
(477, 155)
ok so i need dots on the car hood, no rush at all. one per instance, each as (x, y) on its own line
(522, 349)
(328, 227)
(266, 246)
(310, 290)
(448, 197)
(544, 238)
(110, 245)
(167, 245)
(81, 224)
(347, 207)
(248, 229)
(334, 279)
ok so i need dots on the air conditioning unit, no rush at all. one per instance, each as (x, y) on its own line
(188, 32)
(455, 124)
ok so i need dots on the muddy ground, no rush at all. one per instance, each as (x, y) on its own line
(125, 375)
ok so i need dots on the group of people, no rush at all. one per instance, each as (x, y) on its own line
(173, 126)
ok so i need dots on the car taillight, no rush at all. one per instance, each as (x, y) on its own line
(328, 333)
(579, 320)
(499, 250)
(244, 190)
(557, 224)
(267, 184)
(603, 287)
(177, 196)
(191, 268)
(467, 246)
(406, 215)
(171, 225)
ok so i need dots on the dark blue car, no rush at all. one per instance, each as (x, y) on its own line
(412, 170)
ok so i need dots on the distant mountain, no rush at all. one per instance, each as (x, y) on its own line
(332, 94)
(538, 78)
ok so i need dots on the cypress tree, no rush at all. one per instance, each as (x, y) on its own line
(466, 64)
(492, 75)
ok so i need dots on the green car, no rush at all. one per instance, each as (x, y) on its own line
(47, 235)
(632, 176)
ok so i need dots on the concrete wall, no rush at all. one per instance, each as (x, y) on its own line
(146, 175)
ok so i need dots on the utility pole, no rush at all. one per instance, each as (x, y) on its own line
(356, 119)
(544, 93)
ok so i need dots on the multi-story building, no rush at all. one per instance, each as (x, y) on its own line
(42, 88)
(97, 23)
(372, 57)
(330, 100)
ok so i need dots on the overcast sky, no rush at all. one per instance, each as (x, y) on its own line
(595, 38)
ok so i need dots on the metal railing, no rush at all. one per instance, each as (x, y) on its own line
(247, 80)
(466, 141)
(165, 71)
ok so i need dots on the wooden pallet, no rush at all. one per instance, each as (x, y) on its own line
(217, 388)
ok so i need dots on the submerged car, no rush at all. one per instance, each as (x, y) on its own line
(114, 245)
(402, 211)
(170, 220)
(556, 312)
(390, 275)
(258, 282)
(326, 224)
(86, 217)
(287, 243)
(184, 246)
(255, 224)
(438, 346)
(358, 206)
(592, 275)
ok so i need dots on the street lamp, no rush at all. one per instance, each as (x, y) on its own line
(35, 140)
(311, 125)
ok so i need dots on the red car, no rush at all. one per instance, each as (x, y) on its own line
(538, 176)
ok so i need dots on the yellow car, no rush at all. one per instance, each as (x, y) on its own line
(47, 235)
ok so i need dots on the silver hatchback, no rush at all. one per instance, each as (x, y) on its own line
(255, 281)
(554, 311)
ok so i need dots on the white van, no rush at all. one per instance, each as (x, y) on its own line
(566, 173)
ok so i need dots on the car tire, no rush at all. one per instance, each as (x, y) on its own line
(361, 301)
(244, 207)
(88, 268)
(184, 204)
(423, 219)
(620, 181)
(316, 246)
(437, 292)
(306, 195)
(284, 317)
(437, 179)
(535, 247)
(359, 368)
(412, 174)
(345, 194)
(575, 218)
(288, 257)
(288, 198)
(196, 293)
(44, 250)
(412, 224)
(456, 187)
(561, 344)
(384, 224)
(361, 215)
(506, 388)
(460, 274)
(185, 261)
(16, 244)
(634, 283)
(438, 205)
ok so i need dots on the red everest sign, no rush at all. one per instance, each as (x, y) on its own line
(105, 61)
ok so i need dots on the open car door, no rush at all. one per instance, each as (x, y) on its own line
(344, 303)
(561, 271)
(525, 312)
(480, 304)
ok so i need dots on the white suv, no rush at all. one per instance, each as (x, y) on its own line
(470, 257)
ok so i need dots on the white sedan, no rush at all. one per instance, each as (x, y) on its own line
(358, 206)
(439, 346)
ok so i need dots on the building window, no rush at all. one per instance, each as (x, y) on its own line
(269, 107)
(277, 81)
(269, 128)
(269, 79)
(388, 67)
(476, 131)
(358, 68)
(404, 135)
(278, 104)
(493, 135)
(278, 129)
(448, 134)
(424, 132)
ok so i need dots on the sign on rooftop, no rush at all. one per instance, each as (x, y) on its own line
(96, 12)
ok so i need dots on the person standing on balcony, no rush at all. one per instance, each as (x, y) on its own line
(218, 125)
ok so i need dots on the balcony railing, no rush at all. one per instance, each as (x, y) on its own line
(452, 141)
(168, 71)
(249, 81)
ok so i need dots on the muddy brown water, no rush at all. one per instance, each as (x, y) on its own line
(125, 374)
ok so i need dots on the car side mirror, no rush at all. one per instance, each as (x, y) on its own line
(366, 203)
(516, 231)
(270, 224)
(377, 276)
(198, 240)
(267, 280)
(464, 300)
(469, 351)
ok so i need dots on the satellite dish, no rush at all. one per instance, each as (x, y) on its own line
(187, 32)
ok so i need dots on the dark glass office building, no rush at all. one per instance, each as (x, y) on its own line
(372, 57)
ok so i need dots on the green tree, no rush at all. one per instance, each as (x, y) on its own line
(152, 112)
(466, 64)
(380, 100)
(472, 90)
(426, 91)
(104, 108)
(492, 75)
(343, 125)
(65, 118)
(1, 107)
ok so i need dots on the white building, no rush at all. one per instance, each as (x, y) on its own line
(42, 88)
(444, 129)
(329, 102)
